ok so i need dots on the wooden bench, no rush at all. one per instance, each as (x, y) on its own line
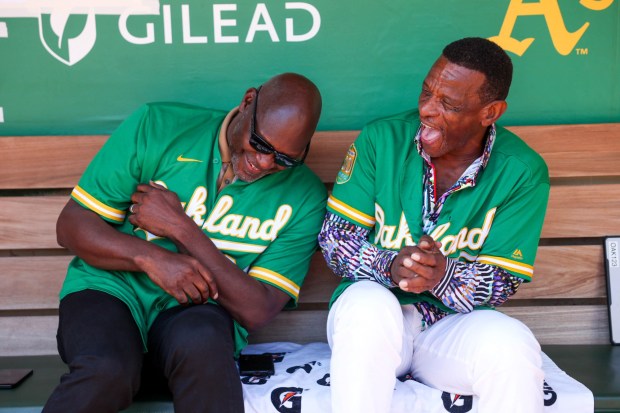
(565, 305)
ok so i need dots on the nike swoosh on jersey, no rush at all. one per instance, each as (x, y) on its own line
(180, 158)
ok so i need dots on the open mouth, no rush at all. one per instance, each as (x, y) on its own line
(429, 135)
(251, 167)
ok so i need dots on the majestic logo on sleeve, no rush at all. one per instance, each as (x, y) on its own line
(347, 166)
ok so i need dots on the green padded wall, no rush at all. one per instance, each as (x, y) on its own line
(80, 66)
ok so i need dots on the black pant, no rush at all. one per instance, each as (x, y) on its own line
(191, 348)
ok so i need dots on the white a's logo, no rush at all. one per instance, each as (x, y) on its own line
(68, 28)
(68, 50)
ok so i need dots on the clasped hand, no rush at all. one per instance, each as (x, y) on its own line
(158, 211)
(419, 268)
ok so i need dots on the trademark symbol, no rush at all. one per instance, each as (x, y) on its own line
(581, 51)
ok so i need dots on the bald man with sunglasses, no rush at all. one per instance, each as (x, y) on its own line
(191, 228)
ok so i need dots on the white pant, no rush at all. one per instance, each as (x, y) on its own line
(485, 353)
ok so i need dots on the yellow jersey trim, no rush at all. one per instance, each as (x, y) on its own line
(86, 199)
(350, 212)
(510, 265)
(276, 279)
(238, 246)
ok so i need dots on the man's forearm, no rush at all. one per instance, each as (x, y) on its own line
(89, 237)
(465, 286)
(249, 301)
(469, 285)
(350, 255)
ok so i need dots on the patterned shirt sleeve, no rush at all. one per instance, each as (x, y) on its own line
(469, 285)
(350, 255)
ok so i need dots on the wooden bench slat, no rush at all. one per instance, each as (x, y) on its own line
(59, 161)
(580, 206)
(570, 272)
(29, 222)
(31, 335)
(36, 335)
(327, 152)
(33, 283)
(579, 324)
(596, 137)
(582, 211)
(574, 211)
(589, 150)
(560, 272)
(46, 162)
(319, 283)
(550, 325)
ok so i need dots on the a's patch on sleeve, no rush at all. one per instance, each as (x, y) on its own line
(346, 170)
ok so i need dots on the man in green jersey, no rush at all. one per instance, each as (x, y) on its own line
(436, 213)
(191, 227)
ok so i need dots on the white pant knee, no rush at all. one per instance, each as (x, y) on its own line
(364, 330)
(485, 353)
(364, 310)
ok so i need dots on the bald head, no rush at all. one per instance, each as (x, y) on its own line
(282, 113)
(290, 100)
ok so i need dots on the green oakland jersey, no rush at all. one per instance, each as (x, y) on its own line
(498, 221)
(268, 227)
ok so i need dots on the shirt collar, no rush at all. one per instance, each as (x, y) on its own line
(223, 142)
(483, 159)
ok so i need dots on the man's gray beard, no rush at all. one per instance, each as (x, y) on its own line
(235, 159)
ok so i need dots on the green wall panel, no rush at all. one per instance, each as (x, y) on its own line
(66, 68)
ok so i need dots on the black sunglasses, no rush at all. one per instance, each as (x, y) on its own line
(261, 145)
